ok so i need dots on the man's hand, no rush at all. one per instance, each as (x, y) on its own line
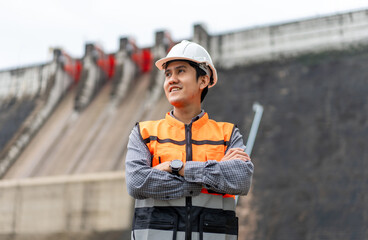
(236, 153)
(165, 166)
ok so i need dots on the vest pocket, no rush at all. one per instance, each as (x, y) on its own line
(219, 222)
(157, 218)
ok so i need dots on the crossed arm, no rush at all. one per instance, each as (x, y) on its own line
(232, 175)
(231, 154)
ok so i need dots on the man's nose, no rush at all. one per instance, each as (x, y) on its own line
(173, 78)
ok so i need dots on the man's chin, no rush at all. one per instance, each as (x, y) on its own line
(175, 102)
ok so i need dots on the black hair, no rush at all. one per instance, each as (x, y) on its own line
(199, 73)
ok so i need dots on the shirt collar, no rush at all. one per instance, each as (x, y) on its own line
(197, 121)
(201, 114)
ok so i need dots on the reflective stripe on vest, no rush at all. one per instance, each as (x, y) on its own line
(207, 200)
(153, 234)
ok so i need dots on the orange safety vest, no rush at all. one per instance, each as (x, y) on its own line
(204, 139)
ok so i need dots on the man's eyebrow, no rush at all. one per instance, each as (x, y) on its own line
(177, 67)
(181, 66)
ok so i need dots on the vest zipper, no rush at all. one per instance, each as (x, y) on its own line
(188, 140)
(188, 200)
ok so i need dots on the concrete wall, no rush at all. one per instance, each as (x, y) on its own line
(288, 39)
(72, 205)
(21, 83)
(310, 155)
(46, 84)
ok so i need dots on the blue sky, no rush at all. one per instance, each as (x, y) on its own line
(28, 29)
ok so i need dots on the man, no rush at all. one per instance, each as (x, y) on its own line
(184, 170)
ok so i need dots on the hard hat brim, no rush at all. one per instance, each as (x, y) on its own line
(161, 62)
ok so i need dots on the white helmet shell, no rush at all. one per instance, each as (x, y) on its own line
(191, 51)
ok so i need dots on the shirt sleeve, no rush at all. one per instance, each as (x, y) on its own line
(231, 176)
(143, 181)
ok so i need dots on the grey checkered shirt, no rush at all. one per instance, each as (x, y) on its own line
(143, 181)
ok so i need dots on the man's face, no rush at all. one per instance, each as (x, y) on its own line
(181, 86)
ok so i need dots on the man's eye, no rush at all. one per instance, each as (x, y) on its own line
(168, 74)
(180, 70)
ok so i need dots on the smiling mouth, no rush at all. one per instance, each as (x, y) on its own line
(174, 89)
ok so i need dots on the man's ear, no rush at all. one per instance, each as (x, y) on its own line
(204, 81)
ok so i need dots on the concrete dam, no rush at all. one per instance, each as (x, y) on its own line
(64, 127)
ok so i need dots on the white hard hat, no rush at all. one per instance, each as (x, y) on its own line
(191, 51)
